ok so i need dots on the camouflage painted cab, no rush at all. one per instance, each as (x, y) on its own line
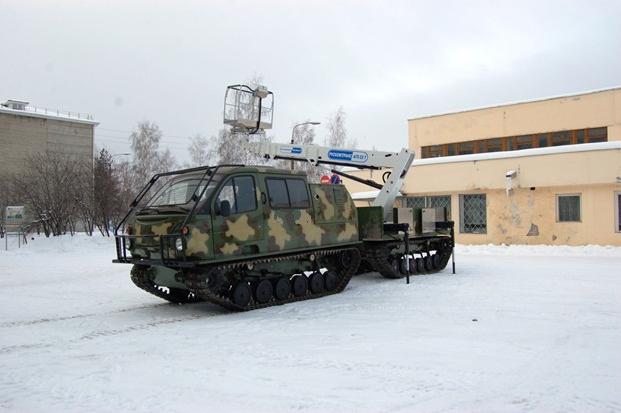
(241, 237)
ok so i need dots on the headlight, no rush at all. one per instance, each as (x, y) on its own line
(179, 244)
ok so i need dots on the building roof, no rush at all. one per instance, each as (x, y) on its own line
(357, 196)
(583, 147)
(588, 92)
(35, 112)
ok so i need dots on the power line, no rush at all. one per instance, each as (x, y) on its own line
(128, 132)
(119, 139)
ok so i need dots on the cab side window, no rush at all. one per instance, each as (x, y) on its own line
(298, 194)
(240, 194)
(277, 189)
(287, 193)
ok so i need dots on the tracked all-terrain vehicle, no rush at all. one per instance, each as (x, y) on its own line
(247, 237)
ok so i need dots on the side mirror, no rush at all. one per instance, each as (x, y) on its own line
(225, 208)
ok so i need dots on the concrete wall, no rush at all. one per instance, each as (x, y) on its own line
(21, 136)
(566, 113)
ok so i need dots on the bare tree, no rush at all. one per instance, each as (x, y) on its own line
(230, 148)
(165, 162)
(304, 135)
(106, 192)
(202, 151)
(145, 141)
(123, 174)
(337, 132)
(57, 188)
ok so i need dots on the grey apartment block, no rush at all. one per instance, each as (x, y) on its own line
(25, 130)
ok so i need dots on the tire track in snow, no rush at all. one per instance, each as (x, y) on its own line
(8, 324)
(110, 332)
(12, 349)
(139, 327)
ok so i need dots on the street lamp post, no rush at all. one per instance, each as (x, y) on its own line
(118, 154)
(293, 132)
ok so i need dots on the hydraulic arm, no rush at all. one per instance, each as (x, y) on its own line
(398, 162)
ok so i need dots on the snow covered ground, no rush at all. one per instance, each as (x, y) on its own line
(517, 329)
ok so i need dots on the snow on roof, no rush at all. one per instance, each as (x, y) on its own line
(356, 196)
(33, 111)
(583, 147)
(587, 92)
(364, 195)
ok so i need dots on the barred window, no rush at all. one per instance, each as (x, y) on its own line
(568, 208)
(436, 201)
(618, 210)
(415, 202)
(440, 201)
(473, 213)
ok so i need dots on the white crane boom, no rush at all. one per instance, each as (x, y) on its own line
(399, 162)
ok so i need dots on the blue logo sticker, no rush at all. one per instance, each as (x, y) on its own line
(291, 149)
(345, 155)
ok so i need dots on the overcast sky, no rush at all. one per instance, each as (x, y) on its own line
(383, 61)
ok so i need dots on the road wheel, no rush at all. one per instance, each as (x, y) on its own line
(300, 285)
(316, 282)
(283, 288)
(330, 280)
(420, 266)
(264, 291)
(241, 294)
(413, 265)
(346, 259)
(428, 263)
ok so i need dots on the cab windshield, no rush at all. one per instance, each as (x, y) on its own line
(179, 191)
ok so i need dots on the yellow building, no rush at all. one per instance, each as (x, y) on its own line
(538, 172)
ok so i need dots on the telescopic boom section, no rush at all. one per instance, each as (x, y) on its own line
(399, 162)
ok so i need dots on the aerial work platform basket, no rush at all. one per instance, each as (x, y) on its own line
(248, 110)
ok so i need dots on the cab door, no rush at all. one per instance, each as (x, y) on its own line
(237, 219)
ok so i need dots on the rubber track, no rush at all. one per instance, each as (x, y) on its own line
(345, 275)
(140, 277)
(378, 258)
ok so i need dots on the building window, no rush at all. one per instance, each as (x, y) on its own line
(437, 201)
(597, 135)
(473, 214)
(415, 202)
(524, 142)
(618, 211)
(542, 139)
(568, 208)
(579, 136)
(494, 145)
(441, 201)
(434, 151)
(466, 148)
(561, 138)
(511, 143)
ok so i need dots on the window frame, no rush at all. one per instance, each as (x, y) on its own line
(305, 184)
(558, 209)
(232, 179)
(461, 214)
(282, 178)
(617, 201)
(510, 143)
